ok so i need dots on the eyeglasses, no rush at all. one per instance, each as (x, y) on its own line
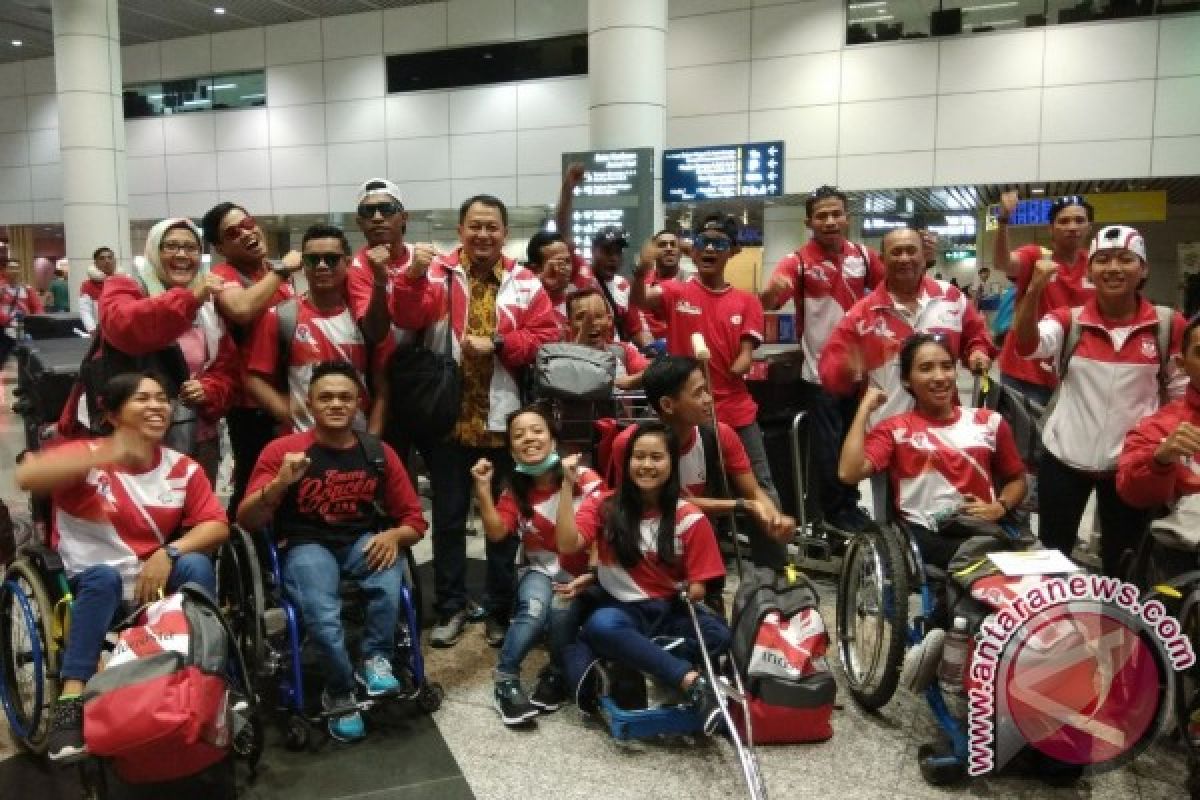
(557, 263)
(247, 225)
(174, 247)
(718, 243)
(387, 209)
(314, 260)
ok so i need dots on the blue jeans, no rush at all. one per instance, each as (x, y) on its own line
(623, 632)
(311, 574)
(538, 610)
(449, 466)
(99, 604)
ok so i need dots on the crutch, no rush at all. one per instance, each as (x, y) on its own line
(747, 759)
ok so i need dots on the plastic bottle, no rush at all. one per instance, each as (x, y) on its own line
(954, 657)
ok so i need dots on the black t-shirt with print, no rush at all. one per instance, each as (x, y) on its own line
(334, 503)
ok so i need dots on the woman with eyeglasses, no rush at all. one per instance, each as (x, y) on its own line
(162, 316)
(322, 329)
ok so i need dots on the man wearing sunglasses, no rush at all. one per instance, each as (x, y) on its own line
(280, 362)
(731, 321)
(251, 285)
(1070, 226)
(377, 267)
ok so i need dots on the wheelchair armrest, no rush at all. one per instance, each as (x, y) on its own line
(47, 560)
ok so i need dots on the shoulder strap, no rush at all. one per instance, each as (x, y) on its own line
(287, 313)
(372, 449)
(1070, 342)
(618, 318)
(716, 483)
(1166, 321)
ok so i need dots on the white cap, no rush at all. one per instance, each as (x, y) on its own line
(379, 185)
(1118, 237)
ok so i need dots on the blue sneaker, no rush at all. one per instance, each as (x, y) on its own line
(347, 727)
(376, 676)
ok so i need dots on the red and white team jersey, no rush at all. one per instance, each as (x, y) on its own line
(89, 303)
(16, 300)
(627, 322)
(697, 558)
(693, 461)
(360, 280)
(1069, 287)
(120, 518)
(833, 283)
(537, 534)
(873, 331)
(725, 317)
(1111, 382)
(935, 464)
(241, 334)
(656, 321)
(320, 336)
(630, 360)
(1145, 483)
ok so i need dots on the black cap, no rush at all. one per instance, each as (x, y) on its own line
(720, 224)
(610, 236)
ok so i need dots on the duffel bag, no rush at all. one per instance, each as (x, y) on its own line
(779, 644)
(574, 371)
(160, 708)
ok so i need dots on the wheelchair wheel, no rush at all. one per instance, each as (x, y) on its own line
(414, 583)
(872, 606)
(29, 671)
(240, 595)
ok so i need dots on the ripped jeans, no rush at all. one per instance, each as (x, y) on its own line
(538, 610)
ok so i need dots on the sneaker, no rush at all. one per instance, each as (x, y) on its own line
(64, 742)
(550, 692)
(921, 662)
(703, 699)
(851, 519)
(347, 727)
(591, 685)
(494, 631)
(448, 629)
(376, 676)
(510, 700)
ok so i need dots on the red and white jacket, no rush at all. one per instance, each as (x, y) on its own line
(1111, 382)
(138, 325)
(874, 329)
(831, 288)
(524, 320)
(1145, 483)
(119, 518)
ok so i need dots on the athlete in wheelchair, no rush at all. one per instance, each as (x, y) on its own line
(941, 460)
(341, 506)
(131, 519)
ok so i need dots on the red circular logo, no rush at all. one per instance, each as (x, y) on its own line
(1083, 687)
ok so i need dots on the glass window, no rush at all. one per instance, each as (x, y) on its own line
(483, 64)
(235, 90)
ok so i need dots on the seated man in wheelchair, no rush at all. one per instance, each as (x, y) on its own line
(941, 459)
(649, 543)
(1158, 466)
(327, 502)
(131, 519)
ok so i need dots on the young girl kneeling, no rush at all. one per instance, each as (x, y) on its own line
(649, 543)
(548, 585)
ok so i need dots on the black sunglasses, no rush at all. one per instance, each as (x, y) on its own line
(314, 260)
(718, 243)
(387, 209)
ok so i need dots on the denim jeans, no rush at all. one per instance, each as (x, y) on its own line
(623, 632)
(829, 417)
(99, 604)
(449, 466)
(311, 575)
(538, 610)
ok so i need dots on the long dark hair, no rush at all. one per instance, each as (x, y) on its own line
(623, 511)
(520, 484)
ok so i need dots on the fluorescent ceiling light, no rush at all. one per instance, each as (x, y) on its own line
(865, 20)
(872, 4)
(218, 10)
(17, 43)
(996, 23)
(195, 102)
(220, 86)
(991, 6)
(256, 96)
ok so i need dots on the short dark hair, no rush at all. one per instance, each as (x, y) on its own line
(590, 291)
(211, 222)
(654, 238)
(336, 367)
(322, 230)
(908, 351)
(1192, 326)
(665, 377)
(533, 251)
(723, 223)
(102, 249)
(491, 201)
(1063, 203)
(121, 387)
(823, 193)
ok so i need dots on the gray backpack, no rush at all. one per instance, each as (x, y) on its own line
(574, 371)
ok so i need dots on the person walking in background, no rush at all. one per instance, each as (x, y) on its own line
(104, 264)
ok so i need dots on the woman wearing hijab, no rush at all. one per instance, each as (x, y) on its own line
(163, 314)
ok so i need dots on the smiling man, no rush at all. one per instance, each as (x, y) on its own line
(501, 316)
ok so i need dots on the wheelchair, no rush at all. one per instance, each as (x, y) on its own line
(278, 642)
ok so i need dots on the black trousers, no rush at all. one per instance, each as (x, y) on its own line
(250, 430)
(1064, 491)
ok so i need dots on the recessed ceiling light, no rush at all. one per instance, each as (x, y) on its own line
(17, 43)
(1039, 190)
(219, 10)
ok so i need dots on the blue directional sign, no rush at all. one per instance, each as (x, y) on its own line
(1035, 211)
(723, 172)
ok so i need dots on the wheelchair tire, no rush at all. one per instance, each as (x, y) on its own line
(431, 697)
(873, 563)
(240, 596)
(418, 598)
(32, 719)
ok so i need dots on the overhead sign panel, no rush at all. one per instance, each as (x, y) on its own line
(725, 172)
(617, 189)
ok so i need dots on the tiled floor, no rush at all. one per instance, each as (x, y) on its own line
(465, 751)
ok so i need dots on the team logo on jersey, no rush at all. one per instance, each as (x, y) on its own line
(303, 334)
(684, 307)
(1149, 348)
(877, 328)
(736, 319)
(854, 267)
(104, 489)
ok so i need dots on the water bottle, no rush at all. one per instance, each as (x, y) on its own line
(954, 657)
